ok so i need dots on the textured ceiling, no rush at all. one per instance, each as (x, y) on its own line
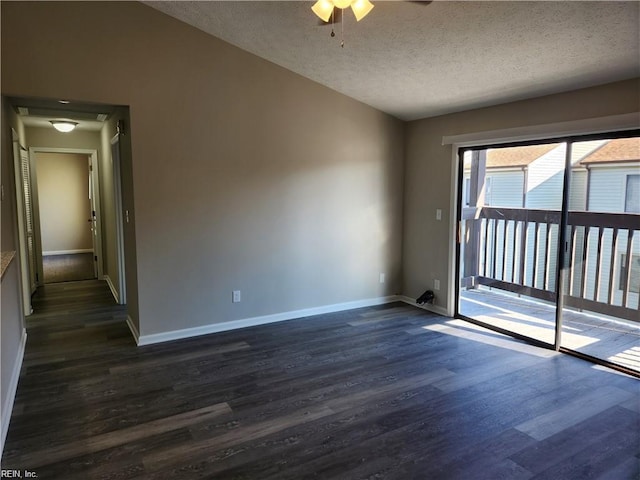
(421, 59)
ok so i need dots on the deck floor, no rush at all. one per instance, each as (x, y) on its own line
(617, 341)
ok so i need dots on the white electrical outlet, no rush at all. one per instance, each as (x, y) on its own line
(436, 284)
(438, 214)
(382, 277)
(236, 296)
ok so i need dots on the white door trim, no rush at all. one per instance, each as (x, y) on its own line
(117, 200)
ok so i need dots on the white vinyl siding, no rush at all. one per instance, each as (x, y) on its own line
(545, 180)
(506, 188)
(607, 188)
(578, 192)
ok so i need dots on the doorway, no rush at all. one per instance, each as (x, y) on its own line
(66, 220)
(101, 133)
(549, 235)
(67, 210)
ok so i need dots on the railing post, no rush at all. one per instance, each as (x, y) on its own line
(474, 226)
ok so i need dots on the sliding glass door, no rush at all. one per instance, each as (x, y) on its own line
(518, 205)
(512, 199)
(600, 315)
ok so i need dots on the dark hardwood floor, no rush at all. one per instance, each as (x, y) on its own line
(383, 392)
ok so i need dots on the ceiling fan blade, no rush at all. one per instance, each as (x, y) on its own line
(337, 13)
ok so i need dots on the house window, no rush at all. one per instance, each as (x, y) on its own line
(632, 194)
(634, 279)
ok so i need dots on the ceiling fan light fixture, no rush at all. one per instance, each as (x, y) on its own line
(64, 126)
(342, 3)
(361, 8)
(323, 9)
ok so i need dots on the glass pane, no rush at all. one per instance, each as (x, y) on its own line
(512, 200)
(600, 314)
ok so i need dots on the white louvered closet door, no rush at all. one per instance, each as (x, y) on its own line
(28, 216)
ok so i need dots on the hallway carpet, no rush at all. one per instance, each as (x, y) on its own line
(68, 268)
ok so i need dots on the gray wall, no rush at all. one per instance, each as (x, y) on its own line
(245, 176)
(429, 168)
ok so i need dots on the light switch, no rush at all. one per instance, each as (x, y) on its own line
(438, 214)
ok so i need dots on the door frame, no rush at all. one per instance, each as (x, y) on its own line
(117, 201)
(95, 180)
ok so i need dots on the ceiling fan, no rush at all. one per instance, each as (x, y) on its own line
(324, 8)
(330, 12)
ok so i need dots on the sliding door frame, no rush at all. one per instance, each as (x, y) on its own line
(563, 260)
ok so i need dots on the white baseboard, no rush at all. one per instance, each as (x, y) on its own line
(253, 321)
(7, 408)
(432, 308)
(66, 252)
(114, 292)
(134, 330)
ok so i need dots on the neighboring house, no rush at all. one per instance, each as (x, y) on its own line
(614, 177)
(532, 176)
(605, 177)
